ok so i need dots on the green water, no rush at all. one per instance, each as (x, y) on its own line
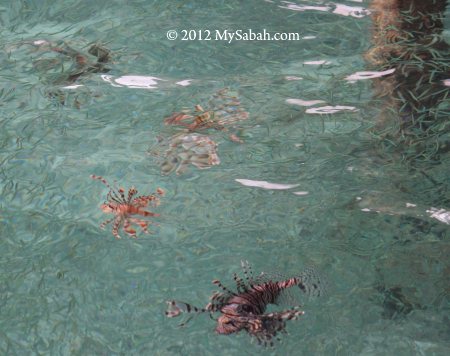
(69, 288)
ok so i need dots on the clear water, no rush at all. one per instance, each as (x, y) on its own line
(69, 288)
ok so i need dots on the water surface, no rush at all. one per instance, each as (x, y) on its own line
(371, 216)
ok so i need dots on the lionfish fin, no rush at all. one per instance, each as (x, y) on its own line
(309, 282)
(273, 323)
(285, 315)
(131, 193)
(112, 194)
(221, 286)
(176, 308)
(248, 273)
(240, 284)
(218, 300)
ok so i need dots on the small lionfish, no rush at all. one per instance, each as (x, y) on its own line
(224, 109)
(124, 207)
(244, 309)
(184, 149)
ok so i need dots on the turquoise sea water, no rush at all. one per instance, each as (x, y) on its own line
(373, 220)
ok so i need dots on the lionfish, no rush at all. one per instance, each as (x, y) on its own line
(244, 309)
(83, 63)
(185, 149)
(62, 66)
(224, 109)
(124, 208)
(193, 145)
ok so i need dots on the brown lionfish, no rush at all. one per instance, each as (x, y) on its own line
(124, 208)
(224, 109)
(245, 308)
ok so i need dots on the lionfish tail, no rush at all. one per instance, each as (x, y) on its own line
(177, 308)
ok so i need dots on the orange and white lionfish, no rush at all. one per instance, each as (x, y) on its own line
(245, 308)
(224, 109)
(124, 208)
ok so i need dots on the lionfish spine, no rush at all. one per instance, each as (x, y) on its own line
(176, 308)
(101, 179)
(112, 193)
(288, 283)
(225, 289)
(240, 284)
(131, 193)
(248, 273)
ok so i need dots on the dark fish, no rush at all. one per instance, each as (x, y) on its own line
(244, 309)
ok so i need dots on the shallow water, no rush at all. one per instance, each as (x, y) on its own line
(373, 221)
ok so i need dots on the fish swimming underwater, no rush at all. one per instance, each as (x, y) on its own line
(127, 208)
(187, 149)
(194, 142)
(245, 308)
(94, 61)
(61, 68)
(222, 113)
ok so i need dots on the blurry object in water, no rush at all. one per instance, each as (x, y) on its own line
(55, 58)
(407, 40)
(396, 303)
(245, 308)
(82, 63)
(191, 146)
(440, 214)
(223, 110)
(379, 202)
(124, 208)
(185, 149)
(412, 277)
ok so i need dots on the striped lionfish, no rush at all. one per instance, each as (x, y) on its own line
(224, 109)
(244, 309)
(124, 208)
